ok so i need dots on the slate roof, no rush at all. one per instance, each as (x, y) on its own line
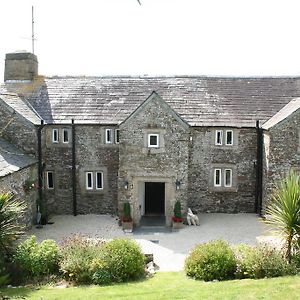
(200, 101)
(285, 112)
(19, 105)
(12, 159)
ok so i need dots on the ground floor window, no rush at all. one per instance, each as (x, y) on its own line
(49, 180)
(94, 180)
(223, 177)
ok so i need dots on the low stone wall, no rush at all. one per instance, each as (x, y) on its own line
(14, 183)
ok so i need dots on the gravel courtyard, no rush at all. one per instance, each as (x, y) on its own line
(169, 248)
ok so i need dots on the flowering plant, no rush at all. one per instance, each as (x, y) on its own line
(177, 220)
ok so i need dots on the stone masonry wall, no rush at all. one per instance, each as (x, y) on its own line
(14, 183)
(282, 152)
(169, 162)
(240, 157)
(92, 155)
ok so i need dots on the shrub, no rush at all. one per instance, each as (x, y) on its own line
(78, 253)
(262, 261)
(4, 276)
(36, 259)
(212, 260)
(120, 260)
(10, 230)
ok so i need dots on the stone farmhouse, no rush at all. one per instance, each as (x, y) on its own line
(216, 144)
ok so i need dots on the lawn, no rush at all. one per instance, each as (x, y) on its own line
(170, 286)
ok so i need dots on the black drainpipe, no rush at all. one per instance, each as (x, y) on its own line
(41, 209)
(259, 169)
(74, 170)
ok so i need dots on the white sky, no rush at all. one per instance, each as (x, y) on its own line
(161, 37)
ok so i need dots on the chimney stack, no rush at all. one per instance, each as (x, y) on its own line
(20, 66)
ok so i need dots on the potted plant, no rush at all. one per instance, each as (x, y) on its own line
(127, 223)
(177, 219)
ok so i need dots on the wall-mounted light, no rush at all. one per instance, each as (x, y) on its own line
(126, 185)
(177, 184)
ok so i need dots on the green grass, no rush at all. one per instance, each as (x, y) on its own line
(170, 286)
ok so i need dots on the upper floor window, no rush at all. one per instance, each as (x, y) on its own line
(117, 136)
(224, 137)
(153, 140)
(49, 180)
(108, 136)
(65, 135)
(229, 137)
(219, 137)
(55, 136)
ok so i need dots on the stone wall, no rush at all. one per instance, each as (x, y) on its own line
(282, 152)
(205, 156)
(14, 183)
(92, 155)
(166, 164)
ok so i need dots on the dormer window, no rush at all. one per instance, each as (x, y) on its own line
(153, 140)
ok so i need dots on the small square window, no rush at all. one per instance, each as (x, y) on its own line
(65, 136)
(108, 136)
(217, 177)
(153, 140)
(55, 136)
(49, 180)
(229, 137)
(228, 177)
(89, 180)
(117, 136)
(99, 180)
(219, 137)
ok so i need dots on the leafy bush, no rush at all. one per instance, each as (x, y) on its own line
(212, 260)
(37, 260)
(4, 276)
(261, 262)
(10, 230)
(78, 253)
(120, 260)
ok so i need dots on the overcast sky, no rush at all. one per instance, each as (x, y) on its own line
(160, 37)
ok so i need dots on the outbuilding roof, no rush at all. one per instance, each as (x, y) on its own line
(12, 159)
(200, 101)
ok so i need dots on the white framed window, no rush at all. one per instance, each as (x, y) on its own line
(108, 136)
(66, 135)
(217, 177)
(153, 140)
(219, 137)
(99, 180)
(229, 137)
(117, 136)
(55, 135)
(49, 180)
(227, 177)
(89, 180)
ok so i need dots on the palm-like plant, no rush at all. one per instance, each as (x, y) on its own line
(10, 230)
(284, 210)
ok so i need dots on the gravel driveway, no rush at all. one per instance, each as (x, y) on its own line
(169, 248)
